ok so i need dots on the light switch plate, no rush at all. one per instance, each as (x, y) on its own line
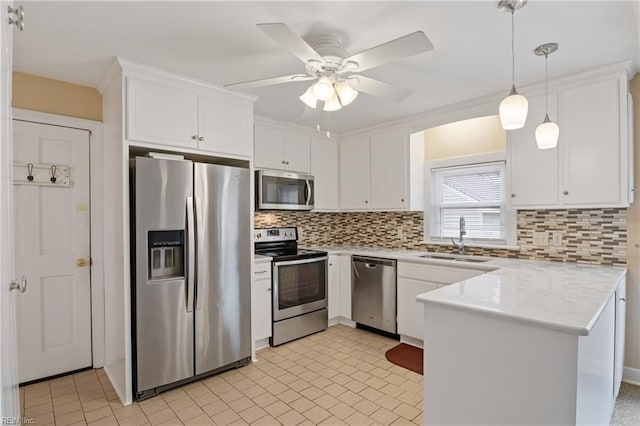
(540, 238)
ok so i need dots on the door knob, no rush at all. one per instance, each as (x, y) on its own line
(81, 262)
(22, 285)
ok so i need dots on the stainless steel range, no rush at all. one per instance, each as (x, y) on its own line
(299, 283)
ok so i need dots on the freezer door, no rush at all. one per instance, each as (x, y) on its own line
(223, 280)
(163, 319)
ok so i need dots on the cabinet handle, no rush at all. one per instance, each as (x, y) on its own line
(283, 162)
(194, 137)
(622, 299)
(366, 201)
(565, 192)
(286, 162)
(201, 138)
(402, 199)
(269, 289)
(513, 195)
(330, 264)
(634, 189)
(260, 272)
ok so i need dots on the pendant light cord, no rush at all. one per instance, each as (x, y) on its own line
(513, 52)
(546, 82)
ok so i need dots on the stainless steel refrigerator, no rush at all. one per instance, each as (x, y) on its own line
(191, 271)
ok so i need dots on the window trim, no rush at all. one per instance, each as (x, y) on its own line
(509, 214)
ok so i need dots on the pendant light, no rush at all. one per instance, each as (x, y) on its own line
(513, 108)
(547, 133)
(309, 98)
(323, 89)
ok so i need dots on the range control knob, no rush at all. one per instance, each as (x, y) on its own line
(259, 235)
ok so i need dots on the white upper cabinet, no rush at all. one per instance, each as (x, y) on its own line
(354, 173)
(533, 172)
(168, 111)
(388, 153)
(324, 168)
(158, 113)
(225, 127)
(592, 165)
(281, 149)
(590, 144)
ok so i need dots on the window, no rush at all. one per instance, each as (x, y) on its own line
(475, 192)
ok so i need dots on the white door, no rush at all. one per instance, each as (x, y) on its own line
(354, 174)
(324, 168)
(224, 126)
(268, 147)
(297, 152)
(9, 405)
(53, 250)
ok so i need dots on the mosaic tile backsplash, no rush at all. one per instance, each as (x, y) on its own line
(597, 236)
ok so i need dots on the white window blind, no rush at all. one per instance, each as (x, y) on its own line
(476, 192)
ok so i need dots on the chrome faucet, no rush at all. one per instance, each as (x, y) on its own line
(463, 231)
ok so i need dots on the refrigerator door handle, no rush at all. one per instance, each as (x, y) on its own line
(191, 258)
(199, 253)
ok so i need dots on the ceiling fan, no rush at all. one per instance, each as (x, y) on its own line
(334, 70)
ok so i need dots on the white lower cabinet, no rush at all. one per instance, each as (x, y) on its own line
(261, 301)
(345, 287)
(621, 309)
(333, 287)
(410, 312)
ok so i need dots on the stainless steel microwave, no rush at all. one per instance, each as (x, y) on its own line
(277, 190)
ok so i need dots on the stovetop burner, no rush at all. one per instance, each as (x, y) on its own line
(281, 244)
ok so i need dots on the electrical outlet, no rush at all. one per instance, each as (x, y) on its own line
(540, 238)
(556, 239)
(400, 233)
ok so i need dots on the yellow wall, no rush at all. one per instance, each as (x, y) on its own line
(632, 350)
(56, 97)
(469, 137)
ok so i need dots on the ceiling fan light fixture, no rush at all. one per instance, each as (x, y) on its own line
(323, 89)
(333, 103)
(309, 98)
(346, 93)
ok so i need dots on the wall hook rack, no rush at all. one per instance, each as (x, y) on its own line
(41, 174)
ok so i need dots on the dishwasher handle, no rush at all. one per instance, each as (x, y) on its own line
(373, 262)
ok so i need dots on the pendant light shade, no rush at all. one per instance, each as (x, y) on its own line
(547, 134)
(333, 103)
(513, 111)
(345, 93)
(323, 89)
(309, 98)
(514, 108)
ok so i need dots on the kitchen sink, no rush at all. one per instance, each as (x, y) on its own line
(455, 259)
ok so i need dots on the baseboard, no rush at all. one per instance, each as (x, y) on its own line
(412, 341)
(631, 376)
(343, 321)
(262, 343)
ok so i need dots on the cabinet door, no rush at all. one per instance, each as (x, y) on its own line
(268, 147)
(534, 172)
(334, 286)
(621, 309)
(590, 144)
(410, 312)
(297, 152)
(388, 169)
(161, 114)
(324, 168)
(345, 286)
(261, 309)
(225, 127)
(354, 174)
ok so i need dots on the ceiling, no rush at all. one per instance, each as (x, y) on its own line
(219, 43)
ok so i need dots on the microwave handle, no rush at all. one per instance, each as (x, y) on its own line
(307, 190)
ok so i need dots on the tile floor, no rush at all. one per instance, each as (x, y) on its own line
(336, 377)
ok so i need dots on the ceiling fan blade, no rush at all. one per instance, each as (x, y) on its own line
(393, 50)
(290, 41)
(247, 85)
(379, 88)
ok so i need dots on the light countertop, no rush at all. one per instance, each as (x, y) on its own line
(568, 297)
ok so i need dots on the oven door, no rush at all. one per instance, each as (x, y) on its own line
(284, 191)
(299, 286)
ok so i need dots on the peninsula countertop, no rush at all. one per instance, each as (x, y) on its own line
(568, 297)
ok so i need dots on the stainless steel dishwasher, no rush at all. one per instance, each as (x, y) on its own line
(373, 299)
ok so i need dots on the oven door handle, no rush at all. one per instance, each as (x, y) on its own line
(300, 261)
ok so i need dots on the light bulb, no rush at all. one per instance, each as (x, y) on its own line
(309, 98)
(333, 103)
(547, 134)
(323, 89)
(513, 110)
(346, 93)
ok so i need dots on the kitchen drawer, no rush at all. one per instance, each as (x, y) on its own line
(262, 271)
(435, 273)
